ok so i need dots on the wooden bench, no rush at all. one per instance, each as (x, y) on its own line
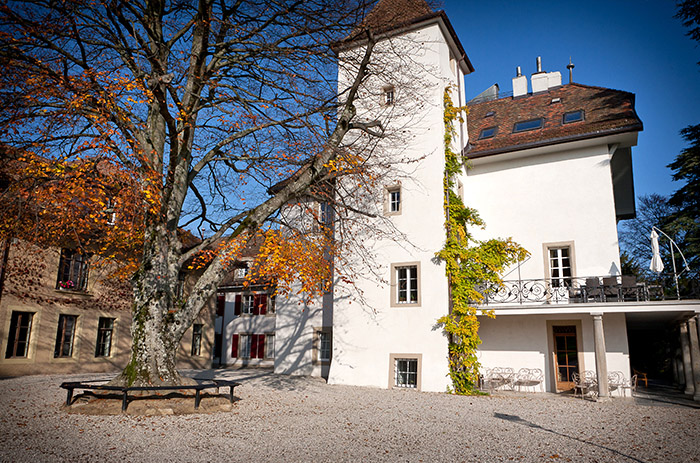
(71, 386)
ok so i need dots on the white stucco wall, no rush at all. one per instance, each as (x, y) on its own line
(525, 341)
(367, 329)
(297, 322)
(557, 197)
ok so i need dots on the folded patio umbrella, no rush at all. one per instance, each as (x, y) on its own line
(657, 264)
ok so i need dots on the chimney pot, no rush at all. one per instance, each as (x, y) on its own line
(539, 64)
(518, 72)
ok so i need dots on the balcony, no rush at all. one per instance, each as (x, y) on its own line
(582, 290)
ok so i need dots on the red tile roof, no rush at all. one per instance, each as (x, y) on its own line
(606, 111)
(389, 15)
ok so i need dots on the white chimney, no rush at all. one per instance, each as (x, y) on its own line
(553, 79)
(519, 84)
(543, 81)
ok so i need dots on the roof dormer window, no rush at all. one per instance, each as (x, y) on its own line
(573, 116)
(531, 124)
(487, 133)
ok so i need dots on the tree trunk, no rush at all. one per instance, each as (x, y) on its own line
(155, 332)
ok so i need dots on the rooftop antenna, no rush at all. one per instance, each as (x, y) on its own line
(570, 67)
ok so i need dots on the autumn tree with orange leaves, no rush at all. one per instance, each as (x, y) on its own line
(126, 122)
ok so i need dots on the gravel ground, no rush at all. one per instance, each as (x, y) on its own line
(281, 418)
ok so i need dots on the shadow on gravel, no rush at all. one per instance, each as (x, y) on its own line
(517, 419)
(256, 376)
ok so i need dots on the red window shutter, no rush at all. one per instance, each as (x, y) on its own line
(220, 304)
(237, 306)
(263, 304)
(234, 346)
(253, 346)
(256, 304)
(261, 346)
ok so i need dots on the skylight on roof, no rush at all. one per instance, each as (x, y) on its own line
(487, 133)
(489, 114)
(524, 126)
(573, 116)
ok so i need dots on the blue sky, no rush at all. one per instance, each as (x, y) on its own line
(636, 46)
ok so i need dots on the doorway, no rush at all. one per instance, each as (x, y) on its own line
(565, 356)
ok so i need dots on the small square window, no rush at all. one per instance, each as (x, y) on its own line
(487, 133)
(406, 373)
(388, 97)
(524, 126)
(573, 116)
(241, 272)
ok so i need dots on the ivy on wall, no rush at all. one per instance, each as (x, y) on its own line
(469, 265)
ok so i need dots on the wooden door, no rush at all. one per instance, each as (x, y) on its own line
(565, 356)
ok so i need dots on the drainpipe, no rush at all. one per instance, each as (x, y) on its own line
(3, 264)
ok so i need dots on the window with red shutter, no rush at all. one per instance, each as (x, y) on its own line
(261, 346)
(237, 306)
(263, 304)
(234, 346)
(254, 346)
(220, 305)
(256, 304)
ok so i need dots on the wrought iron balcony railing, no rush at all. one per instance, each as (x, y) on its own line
(572, 290)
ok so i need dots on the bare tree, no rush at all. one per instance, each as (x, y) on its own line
(199, 107)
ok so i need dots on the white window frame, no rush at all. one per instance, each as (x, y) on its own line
(556, 281)
(247, 304)
(246, 342)
(269, 345)
(388, 95)
(319, 342)
(393, 205)
(411, 285)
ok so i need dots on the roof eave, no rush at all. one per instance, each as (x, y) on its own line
(638, 127)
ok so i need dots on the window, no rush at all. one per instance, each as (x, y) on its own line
(392, 201)
(388, 95)
(405, 285)
(65, 335)
(487, 133)
(72, 271)
(110, 212)
(323, 345)
(573, 116)
(269, 346)
(180, 287)
(105, 328)
(560, 267)
(326, 214)
(406, 373)
(18, 337)
(248, 304)
(197, 339)
(252, 346)
(524, 126)
(240, 273)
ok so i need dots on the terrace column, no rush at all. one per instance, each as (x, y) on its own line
(687, 365)
(601, 363)
(695, 355)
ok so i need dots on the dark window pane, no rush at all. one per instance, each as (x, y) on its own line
(528, 125)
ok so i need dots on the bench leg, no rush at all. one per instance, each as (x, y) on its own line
(196, 399)
(230, 393)
(124, 401)
(69, 397)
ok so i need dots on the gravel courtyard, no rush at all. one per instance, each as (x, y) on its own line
(280, 418)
